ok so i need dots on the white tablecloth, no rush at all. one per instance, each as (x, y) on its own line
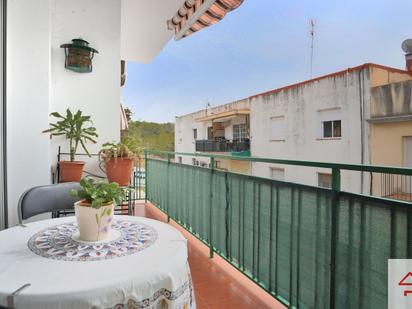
(148, 270)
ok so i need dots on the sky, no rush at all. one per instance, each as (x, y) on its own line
(263, 45)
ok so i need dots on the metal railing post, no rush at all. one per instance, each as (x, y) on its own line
(167, 187)
(145, 176)
(212, 169)
(334, 234)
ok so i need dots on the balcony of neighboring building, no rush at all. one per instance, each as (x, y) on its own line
(225, 132)
(223, 145)
(390, 126)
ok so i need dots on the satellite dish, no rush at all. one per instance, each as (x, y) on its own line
(407, 46)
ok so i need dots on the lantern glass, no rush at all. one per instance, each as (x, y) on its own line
(79, 56)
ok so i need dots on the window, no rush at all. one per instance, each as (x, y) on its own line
(195, 134)
(179, 159)
(332, 129)
(239, 132)
(329, 123)
(277, 173)
(325, 180)
(277, 128)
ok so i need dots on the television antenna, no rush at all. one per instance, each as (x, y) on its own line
(207, 106)
(312, 24)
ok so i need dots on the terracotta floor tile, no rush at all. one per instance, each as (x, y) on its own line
(238, 303)
(212, 292)
(216, 283)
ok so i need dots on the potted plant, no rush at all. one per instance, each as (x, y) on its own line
(119, 160)
(74, 128)
(94, 212)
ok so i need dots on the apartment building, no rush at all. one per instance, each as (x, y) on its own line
(333, 118)
(223, 129)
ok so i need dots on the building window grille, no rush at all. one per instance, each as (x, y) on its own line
(239, 132)
(195, 134)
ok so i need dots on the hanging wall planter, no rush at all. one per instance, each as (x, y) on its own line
(79, 56)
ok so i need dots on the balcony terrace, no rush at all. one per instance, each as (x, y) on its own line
(308, 247)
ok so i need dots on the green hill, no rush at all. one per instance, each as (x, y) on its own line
(152, 135)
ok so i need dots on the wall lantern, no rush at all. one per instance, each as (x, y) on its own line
(79, 56)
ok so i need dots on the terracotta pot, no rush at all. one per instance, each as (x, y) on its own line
(94, 224)
(119, 170)
(71, 171)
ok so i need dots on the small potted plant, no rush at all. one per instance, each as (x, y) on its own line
(94, 212)
(119, 160)
(74, 128)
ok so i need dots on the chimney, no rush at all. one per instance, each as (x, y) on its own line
(408, 58)
(407, 48)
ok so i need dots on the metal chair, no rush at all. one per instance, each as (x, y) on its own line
(49, 198)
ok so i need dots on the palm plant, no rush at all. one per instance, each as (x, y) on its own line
(73, 127)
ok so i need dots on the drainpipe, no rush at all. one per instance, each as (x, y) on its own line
(362, 120)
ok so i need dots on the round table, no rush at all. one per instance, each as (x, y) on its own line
(143, 264)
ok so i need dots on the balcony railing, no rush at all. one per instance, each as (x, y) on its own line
(309, 247)
(396, 186)
(221, 146)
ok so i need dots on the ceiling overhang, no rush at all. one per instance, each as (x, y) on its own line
(144, 30)
(147, 25)
(224, 116)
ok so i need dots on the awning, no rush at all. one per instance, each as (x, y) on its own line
(194, 15)
(225, 115)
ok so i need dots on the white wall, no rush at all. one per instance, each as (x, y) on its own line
(96, 93)
(300, 105)
(38, 83)
(28, 79)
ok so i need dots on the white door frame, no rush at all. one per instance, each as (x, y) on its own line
(3, 154)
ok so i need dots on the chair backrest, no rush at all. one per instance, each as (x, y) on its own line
(43, 199)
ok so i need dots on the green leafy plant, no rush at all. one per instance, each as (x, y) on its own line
(128, 148)
(74, 128)
(99, 193)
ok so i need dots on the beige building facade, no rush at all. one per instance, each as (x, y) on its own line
(391, 135)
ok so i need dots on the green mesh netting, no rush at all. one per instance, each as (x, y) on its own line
(280, 234)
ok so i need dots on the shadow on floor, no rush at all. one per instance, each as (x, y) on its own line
(217, 284)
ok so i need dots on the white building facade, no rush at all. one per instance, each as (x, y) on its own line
(324, 120)
(321, 120)
(223, 129)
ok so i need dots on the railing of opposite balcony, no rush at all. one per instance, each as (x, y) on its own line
(309, 247)
(221, 146)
